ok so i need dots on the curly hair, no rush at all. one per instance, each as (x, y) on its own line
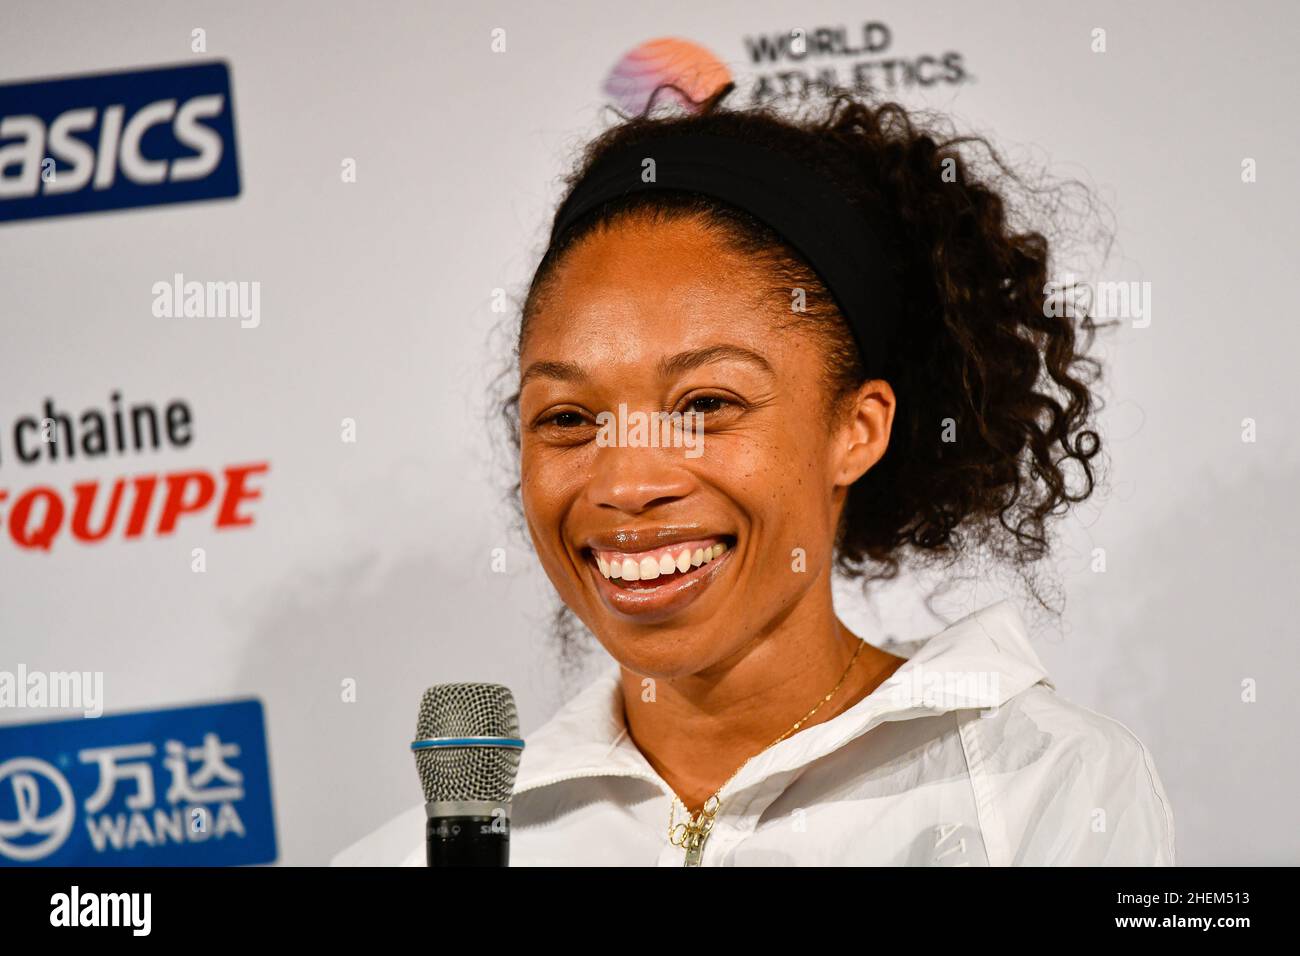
(992, 379)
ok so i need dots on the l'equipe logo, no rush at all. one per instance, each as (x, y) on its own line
(117, 140)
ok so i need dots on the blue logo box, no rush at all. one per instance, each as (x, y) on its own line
(117, 140)
(188, 786)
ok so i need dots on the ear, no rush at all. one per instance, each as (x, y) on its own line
(863, 432)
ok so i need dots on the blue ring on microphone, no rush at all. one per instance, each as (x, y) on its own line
(513, 743)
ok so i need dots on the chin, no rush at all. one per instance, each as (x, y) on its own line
(664, 654)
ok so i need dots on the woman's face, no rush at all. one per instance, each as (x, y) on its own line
(678, 557)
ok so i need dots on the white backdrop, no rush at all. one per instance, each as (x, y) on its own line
(372, 560)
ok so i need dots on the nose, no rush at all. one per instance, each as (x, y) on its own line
(635, 480)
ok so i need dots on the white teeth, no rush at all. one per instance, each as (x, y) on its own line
(649, 568)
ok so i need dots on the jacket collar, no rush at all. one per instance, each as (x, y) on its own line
(980, 661)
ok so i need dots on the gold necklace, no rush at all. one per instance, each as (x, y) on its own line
(691, 834)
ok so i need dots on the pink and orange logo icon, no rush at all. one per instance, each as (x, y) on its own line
(666, 60)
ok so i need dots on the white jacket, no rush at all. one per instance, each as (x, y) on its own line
(966, 756)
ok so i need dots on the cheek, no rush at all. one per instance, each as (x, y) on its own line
(535, 488)
(549, 481)
(780, 479)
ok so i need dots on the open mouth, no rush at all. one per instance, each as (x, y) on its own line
(659, 567)
(653, 585)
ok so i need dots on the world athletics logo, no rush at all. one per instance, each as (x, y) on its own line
(862, 58)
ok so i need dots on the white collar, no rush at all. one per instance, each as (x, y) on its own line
(587, 736)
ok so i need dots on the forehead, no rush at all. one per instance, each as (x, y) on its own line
(640, 287)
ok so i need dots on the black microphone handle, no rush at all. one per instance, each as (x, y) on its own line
(467, 839)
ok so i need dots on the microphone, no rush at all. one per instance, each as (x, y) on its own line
(467, 750)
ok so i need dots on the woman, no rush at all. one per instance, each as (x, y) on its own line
(837, 310)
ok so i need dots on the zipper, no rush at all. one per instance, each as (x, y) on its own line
(694, 856)
(695, 851)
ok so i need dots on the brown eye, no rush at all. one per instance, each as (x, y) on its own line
(706, 404)
(564, 420)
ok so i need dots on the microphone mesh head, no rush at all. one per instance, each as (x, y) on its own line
(467, 773)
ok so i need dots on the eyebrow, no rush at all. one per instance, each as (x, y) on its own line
(668, 367)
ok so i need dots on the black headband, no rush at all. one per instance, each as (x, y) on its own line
(806, 210)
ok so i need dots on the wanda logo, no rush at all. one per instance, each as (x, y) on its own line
(35, 831)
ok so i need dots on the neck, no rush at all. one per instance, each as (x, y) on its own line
(702, 727)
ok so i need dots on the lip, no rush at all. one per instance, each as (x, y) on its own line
(631, 540)
(652, 604)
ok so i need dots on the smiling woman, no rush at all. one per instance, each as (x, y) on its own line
(881, 379)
